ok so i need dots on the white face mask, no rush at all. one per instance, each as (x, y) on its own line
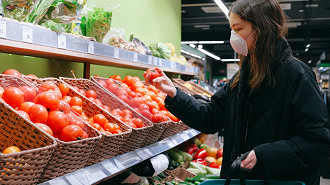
(238, 43)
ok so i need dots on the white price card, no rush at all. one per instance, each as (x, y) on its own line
(27, 34)
(170, 144)
(150, 60)
(193, 132)
(173, 65)
(110, 166)
(184, 136)
(174, 142)
(160, 62)
(155, 61)
(144, 153)
(91, 47)
(3, 29)
(61, 41)
(116, 53)
(135, 59)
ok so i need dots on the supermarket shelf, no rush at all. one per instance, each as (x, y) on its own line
(27, 39)
(111, 167)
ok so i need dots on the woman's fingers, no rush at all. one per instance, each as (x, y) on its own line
(250, 161)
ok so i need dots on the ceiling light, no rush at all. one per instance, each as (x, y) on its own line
(309, 61)
(306, 49)
(308, 45)
(223, 7)
(200, 46)
(189, 42)
(209, 54)
(229, 60)
(211, 42)
(192, 45)
(301, 10)
(191, 54)
(202, 26)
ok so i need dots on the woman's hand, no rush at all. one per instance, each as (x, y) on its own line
(250, 161)
(162, 83)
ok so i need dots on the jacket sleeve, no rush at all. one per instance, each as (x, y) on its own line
(310, 141)
(207, 118)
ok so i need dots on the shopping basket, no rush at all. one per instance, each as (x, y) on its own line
(236, 167)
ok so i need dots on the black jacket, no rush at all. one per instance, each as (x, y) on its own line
(283, 124)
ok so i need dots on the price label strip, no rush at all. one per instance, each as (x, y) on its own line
(110, 166)
(127, 159)
(72, 179)
(61, 41)
(194, 132)
(144, 153)
(184, 136)
(155, 61)
(150, 60)
(57, 181)
(135, 59)
(116, 52)
(98, 175)
(91, 47)
(173, 65)
(160, 62)
(174, 142)
(3, 29)
(83, 176)
(27, 34)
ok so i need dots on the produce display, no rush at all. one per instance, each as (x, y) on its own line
(18, 9)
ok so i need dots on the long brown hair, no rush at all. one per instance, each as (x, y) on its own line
(269, 22)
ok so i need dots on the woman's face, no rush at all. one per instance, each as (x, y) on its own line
(242, 28)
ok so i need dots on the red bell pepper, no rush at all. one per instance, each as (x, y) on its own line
(201, 154)
(200, 161)
(191, 149)
(214, 165)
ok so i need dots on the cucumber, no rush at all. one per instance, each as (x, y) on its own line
(175, 156)
(162, 175)
(168, 183)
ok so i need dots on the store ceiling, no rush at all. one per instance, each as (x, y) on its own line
(202, 20)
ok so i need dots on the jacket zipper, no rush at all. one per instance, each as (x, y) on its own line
(247, 125)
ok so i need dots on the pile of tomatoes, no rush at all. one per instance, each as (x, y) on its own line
(145, 99)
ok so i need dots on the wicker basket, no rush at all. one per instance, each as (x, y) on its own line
(182, 173)
(36, 146)
(174, 128)
(153, 132)
(109, 145)
(183, 88)
(200, 88)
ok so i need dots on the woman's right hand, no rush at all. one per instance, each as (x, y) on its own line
(162, 83)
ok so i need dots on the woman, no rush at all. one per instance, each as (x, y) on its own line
(272, 107)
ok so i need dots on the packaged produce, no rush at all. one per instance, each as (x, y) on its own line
(160, 50)
(18, 9)
(39, 11)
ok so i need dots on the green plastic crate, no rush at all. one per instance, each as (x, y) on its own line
(251, 182)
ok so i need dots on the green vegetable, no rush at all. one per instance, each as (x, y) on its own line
(168, 183)
(197, 166)
(197, 171)
(162, 175)
(17, 9)
(210, 170)
(185, 155)
(203, 146)
(175, 156)
(197, 142)
(160, 50)
(211, 176)
(143, 181)
(97, 23)
(157, 178)
(59, 27)
(39, 11)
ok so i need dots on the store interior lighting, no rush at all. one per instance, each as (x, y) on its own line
(209, 54)
(230, 60)
(192, 54)
(203, 42)
(223, 7)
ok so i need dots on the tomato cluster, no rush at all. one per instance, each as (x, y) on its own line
(145, 99)
(153, 74)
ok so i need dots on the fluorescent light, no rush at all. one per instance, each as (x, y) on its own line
(209, 54)
(308, 45)
(192, 45)
(223, 7)
(211, 42)
(309, 61)
(200, 46)
(191, 54)
(306, 49)
(229, 60)
(189, 42)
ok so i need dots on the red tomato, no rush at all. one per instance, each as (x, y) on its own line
(124, 98)
(57, 120)
(96, 126)
(144, 106)
(32, 76)
(152, 88)
(29, 93)
(128, 80)
(91, 93)
(159, 117)
(74, 120)
(100, 119)
(116, 112)
(12, 72)
(75, 101)
(130, 93)
(159, 99)
(107, 108)
(98, 102)
(136, 85)
(71, 133)
(121, 91)
(127, 112)
(11, 149)
(154, 111)
(64, 88)
(171, 116)
(109, 127)
(13, 96)
(26, 106)
(44, 128)
(113, 88)
(135, 102)
(82, 91)
(75, 88)
(64, 107)
(153, 74)
(48, 99)
(38, 114)
(66, 99)
(24, 114)
(117, 131)
(141, 90)
(48, 85)
(138, 95)
(220, 153)
(137, 122)
(85, 135)
(109, 81)
(77, 109)
(131, 124)
(102, 83)
(151, 94)
(152, 105)
(147, 97)
(146, 114)
(1, 91)
(116, 77)
(161, 106)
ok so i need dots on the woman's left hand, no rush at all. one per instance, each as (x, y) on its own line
(250, 161)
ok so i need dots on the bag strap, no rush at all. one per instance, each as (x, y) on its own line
(236, 167)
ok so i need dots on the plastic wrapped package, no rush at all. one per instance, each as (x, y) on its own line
(39, 11)
(18, 9)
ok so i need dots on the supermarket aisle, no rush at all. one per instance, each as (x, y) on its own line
(325, 181)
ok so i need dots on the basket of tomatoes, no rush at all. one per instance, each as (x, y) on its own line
(114, 133)
(135, 94)
(25, 149)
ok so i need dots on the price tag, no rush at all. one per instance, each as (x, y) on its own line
(83, 176)
(160, 62)
(150, 60)
(57, 181)
(170, 144)
(193, 132)
(173, 65)
(72, 179)
(174, 142)
(91, 47)
(184, 136)
(135, 59)
(98, 175)
(116, 53)
(3, 29)
(61, 41)
(155, 61)
(144, 153)
(110, 166)
(27, 34)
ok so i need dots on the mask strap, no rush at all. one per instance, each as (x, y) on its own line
(250, 35)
